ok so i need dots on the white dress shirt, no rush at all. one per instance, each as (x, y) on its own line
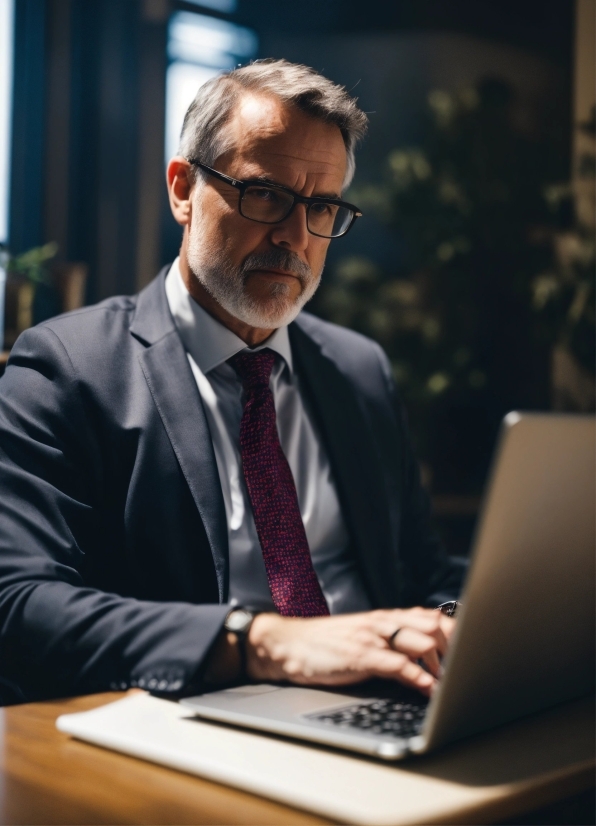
(208, 345)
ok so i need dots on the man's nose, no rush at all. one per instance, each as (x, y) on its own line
(292, 233)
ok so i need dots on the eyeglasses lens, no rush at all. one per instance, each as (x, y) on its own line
(260, 203)
(269, 206)
(329, 220)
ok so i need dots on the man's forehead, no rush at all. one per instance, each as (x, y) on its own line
(262, 113)
(264, 129)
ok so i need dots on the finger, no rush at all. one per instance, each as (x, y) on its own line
(440, 639)
(393, 665)
(432, 662)
(416, 644)
(413, 676)
(426, 621)
(432, 626)
(419, 646)
(447, 625)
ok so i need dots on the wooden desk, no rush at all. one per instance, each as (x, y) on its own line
(46, 777)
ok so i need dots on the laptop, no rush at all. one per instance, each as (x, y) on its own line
(524, 638)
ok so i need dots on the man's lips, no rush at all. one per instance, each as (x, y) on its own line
(273, 271)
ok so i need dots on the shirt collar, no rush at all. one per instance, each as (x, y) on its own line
(206, 339)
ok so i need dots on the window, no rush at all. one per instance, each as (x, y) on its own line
(6, 37)
(200, 47)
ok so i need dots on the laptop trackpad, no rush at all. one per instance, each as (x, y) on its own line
(270, 700)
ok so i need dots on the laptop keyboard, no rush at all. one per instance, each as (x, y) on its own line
(385, 717)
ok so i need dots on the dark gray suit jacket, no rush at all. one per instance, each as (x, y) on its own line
(113, 539)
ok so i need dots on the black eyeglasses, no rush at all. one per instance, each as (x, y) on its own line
(271, 203)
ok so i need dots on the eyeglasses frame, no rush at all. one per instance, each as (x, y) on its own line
(242, 186)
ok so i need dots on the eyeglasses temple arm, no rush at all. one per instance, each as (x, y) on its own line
(216, 174)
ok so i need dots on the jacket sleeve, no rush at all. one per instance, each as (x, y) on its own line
(57, 635)
(430, 576)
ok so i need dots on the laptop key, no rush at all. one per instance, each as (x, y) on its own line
(386, 717)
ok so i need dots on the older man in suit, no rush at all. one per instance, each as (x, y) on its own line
(202, 484)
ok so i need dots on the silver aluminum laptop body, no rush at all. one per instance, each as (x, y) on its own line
(525, 635)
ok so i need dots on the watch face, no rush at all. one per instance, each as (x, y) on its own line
(449, 608)
(239, 621)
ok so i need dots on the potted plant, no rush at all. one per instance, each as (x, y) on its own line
(30, 294)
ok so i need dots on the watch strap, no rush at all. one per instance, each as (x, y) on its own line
(239, 625)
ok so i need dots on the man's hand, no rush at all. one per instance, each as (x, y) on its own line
(350, 648)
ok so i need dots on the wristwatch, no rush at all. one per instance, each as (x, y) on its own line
(238, 622)
(449, 608)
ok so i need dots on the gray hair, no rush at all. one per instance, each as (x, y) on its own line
(203, 135)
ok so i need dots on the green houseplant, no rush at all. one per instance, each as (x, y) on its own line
(459, 315)
(30, 294)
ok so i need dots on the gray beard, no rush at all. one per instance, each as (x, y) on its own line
(227, 283)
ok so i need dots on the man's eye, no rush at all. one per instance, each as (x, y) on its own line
(323, 209)
(262, 194)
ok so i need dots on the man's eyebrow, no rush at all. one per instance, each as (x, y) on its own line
(263, 179)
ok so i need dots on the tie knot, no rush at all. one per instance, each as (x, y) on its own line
(253, 369)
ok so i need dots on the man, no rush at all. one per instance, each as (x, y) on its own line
(167, 457)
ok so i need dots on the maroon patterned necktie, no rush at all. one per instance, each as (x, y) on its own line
(294, 585)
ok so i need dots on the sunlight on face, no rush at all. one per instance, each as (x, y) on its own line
(227, 282)
(263, 274)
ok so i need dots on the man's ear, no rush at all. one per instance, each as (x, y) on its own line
(180, 186)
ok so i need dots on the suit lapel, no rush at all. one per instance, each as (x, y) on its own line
(357, 469)
(178, 402)
(344, 424)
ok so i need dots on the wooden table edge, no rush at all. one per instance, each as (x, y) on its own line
(523, 797)
(508, 801)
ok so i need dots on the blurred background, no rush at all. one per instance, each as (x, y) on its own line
(473, 264)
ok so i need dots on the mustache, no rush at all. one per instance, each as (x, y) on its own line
(278, 259)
